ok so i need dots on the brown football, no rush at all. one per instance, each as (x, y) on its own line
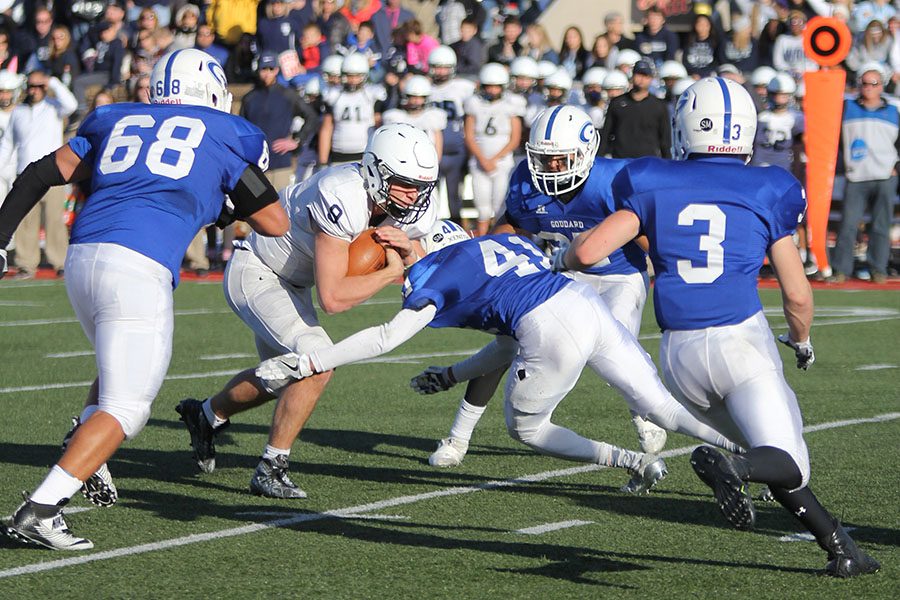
(366, 255)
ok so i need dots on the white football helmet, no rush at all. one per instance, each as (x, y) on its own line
(11, 82)
(561, 149)
(615, 80)
(762, 76)
(524, 66)
(442, 56)
(682, 85)
(560, 79)
(403, 153)
(493, 74)
(313, 87)
(331, 66)
(546, 68)
(594, 76)
(417, 85)
(714, 116)
(627, 57)
(782, 83)
(443, 234)
(190, 76)
(354, 64)
(672, 69)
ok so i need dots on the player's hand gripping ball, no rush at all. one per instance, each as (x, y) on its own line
(366, 255)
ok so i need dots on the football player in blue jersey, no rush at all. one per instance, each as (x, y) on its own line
(711, 220)
(561, 190)
(157, 173)
(503, 284)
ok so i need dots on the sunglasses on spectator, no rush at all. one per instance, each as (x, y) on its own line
(38, 86)
(870, 83)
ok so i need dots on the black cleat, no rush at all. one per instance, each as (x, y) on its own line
(845, 559)
(202, 433)
(99, 488)
(271, 480)
(732, 494)
(42, 525)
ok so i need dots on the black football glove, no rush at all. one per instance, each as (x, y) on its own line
(802, 350)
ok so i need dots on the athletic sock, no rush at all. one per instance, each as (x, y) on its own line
(613, 456)
(769, 465)
(86, 413)
(215, 420)
(59, 485)
(467, 417)
(806, 508)
(272, 452)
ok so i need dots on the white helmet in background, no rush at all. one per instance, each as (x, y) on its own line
(679, 87)
(313, 87)
(714, 116)
(672, 69)
(782, 83)
(524, 66)
(627, 57)
(10, 81)
(493, 74)
(403, 153)
(190, 76)
(355, 64)
(594, 76)
(615, 80)
(762, 76)
(444, 233)
(417, 85)
(546, 68)
(331, 66)
(442, 64)
(560, 79)
(561, 149)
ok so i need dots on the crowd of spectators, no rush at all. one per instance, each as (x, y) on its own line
(103, 51)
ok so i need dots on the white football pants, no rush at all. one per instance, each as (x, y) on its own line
(124, 303)
(625, 295)
(489, 189)
(281, 315)
(732, 378)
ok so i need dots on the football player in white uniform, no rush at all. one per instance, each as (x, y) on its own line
(493, 130)
(450, 94)
(781, 126)
(594, 98)
(11, 85)
(331, 74)
(415, 110)
(351, 114)
(268, 284)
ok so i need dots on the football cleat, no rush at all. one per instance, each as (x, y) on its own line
(202, 433)
(845, 559)
(732, 494)
(651, 437)
(450, 453)
(651, 471)
(766, 495)
(42, 525)
(99, 488)
(271, 480)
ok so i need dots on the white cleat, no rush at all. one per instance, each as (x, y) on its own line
(450, 453)
(651, 437)
(651, 471)
(43, 525)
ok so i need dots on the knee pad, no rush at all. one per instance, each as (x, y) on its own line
(132, 415)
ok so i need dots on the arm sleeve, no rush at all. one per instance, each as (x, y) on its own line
(311, 121)
(252, 192)
(374, 341)
(66, 99)
(28, 188)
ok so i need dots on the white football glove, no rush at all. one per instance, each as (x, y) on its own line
(802, 350)
(3, 265)
(559, 258)
(279, 372)
(432, 380)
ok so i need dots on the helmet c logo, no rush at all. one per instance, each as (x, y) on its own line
(215, 69)
(583, 134)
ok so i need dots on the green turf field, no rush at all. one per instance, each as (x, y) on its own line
(380, 523)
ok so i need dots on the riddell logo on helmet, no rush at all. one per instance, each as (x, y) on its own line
(724, 149)
(167, 100)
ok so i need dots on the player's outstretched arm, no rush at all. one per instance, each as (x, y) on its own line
(336, 290)
(600, 241)
(796, 298)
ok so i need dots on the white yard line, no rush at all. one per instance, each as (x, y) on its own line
(72, 354)
(874, 367)
(805, 536)
(547, 527)
(354, 511)
(62, 320)
(227, 356)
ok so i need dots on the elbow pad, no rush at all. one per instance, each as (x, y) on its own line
(252, 192)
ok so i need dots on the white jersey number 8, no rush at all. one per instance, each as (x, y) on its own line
(165, 140)
(710, 243)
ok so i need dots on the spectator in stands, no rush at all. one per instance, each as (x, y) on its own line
(206, 41)
(615, 31)
(469, 49)
(538, 45)
(600, 53)
(335, 26)
(874, 46)
(275, 31)
(573, 56)
(273, 109)
(102, 59)
(231, 19)
(637, 123)
(363, 42)
(36, 129)
(739, 48)
(101, 98)
(788, 54)
(388, 18)
(8, 59)
(771, 31)
(147, 23)
(450, 15)
(81, 16)
(657, 42)
(870, 141)
(868, 10)
(508, 46)
(34, 45)
(163, 10)
(702, 47)
(313, 48)
(358, 12)
(185, 32)
(61, 60)
(418, 46)
(140, 90)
